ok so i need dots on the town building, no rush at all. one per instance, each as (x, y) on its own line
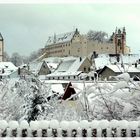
(109, 71)
(38, 68)
(76, 44)
(6, 69)
(70, 69)
(1, 48)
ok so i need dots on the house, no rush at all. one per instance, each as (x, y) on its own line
(70, 69)
(6, 68)
(39, 68)
(102, 60)
(53, 62)
(114, 70)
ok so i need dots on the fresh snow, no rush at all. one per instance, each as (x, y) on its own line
(13, 124)
(24, 124)
(43, 124)
(54, 124)
(34, 125)
(3, 124)
(64, 125)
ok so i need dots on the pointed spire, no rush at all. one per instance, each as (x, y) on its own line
(54, 39)
(116, 30)
(124, 31)
(1, 38)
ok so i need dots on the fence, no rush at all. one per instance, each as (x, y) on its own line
(83, 128)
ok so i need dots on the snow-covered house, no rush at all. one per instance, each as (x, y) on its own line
(38, 68)
(102, 60)
(6, 68)
(53, 62)
(114, 70)
(70, 68)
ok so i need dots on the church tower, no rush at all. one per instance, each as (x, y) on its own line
(1, 47)
(120, 41)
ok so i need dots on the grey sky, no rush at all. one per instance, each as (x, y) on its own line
(26, 27)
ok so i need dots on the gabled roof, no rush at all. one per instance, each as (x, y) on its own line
(69, 66)
(8, 68)
(103, 60)
(35, 67)
(69, 91)
(120, 69)
(65, 37)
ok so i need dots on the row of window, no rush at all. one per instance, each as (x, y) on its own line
(102, 48)
(86, 69)
(59, 51)
(54, 47)
(64, 77)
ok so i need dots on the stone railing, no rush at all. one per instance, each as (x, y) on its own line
(54, 128)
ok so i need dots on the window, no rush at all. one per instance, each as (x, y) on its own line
(44, 66)
(68, 77)
(69, 52)
(74, 77)
(84, 69)
(89, 69)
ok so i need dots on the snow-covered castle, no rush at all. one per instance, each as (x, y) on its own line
(76, 44)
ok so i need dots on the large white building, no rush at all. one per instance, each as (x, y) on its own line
(76, 44)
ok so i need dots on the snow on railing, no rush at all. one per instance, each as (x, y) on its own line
(54, 128)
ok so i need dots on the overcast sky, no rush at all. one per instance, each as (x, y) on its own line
(26, 27)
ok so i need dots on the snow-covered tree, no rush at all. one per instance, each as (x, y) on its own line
(16, 59)
(100, 36)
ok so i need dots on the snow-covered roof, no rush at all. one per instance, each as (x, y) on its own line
(8, 68)
(127, 68)
(35, 67)
(65, 37)
(127, 59)
(69, 67)
(103, 60)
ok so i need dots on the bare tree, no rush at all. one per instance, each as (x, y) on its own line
(99, 36)
(16, 59)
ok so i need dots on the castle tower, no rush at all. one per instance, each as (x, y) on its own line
(120, 41)
(1, 47)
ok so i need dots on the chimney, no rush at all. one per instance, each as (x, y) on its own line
(3, 70)
(80, 59)
(136, 65)
(18, 71)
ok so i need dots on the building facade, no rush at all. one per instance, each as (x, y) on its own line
(75, 44)
(1, 48)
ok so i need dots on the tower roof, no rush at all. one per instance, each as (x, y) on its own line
(1, 37)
